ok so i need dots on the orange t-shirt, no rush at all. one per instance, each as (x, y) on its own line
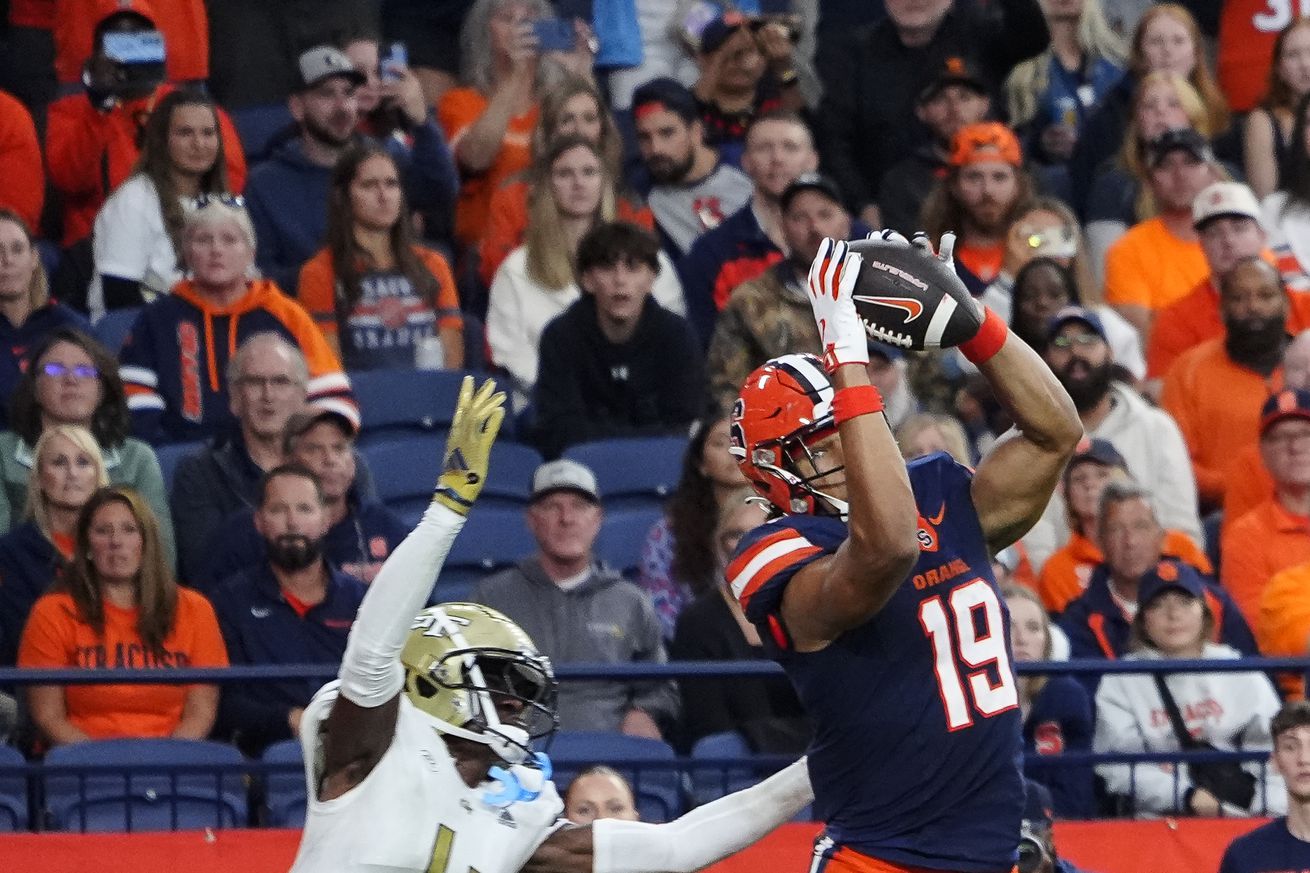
(983, 261)
(458, 110)
(55, 637)
(1194, 318)
(1149, 266)
(316, 290)
(1217, 406)
(1247, 29)
(1284, 616)
(1249, 484)
(1066, 573)
(507, 221)
(1258, 545)
(183, 23)
(22, 174)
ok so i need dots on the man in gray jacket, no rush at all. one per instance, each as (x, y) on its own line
(576, 609)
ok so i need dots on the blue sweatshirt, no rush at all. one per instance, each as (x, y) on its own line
(29, 563)
(260, 626)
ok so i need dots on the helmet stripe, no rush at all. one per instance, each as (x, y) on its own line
(810, 377)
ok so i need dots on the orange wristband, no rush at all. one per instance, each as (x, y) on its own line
(987, 341)
(859, 400)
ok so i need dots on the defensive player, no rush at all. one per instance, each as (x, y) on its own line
(875, 592)
(418, 757)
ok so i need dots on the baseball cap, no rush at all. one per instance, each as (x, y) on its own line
(1224, 198)
(1166, 576)
(955, 70)
(985, 141)
(1180, 139)
(1037, 803)
(810, 182)
(717, 32)
(1287, 403)
(1098, 451)
(1079, 314)
(564, 475)
(300, 423)
(323, 62)
(665, 93)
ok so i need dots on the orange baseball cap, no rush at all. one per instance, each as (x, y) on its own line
(985, 141)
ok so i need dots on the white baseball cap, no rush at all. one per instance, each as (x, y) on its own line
(1224, 198)
(324, 62)
(564, 475)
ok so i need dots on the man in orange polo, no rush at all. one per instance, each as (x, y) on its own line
(1215, 390)
(1226, 216)
(1276, 534)
(1159, 260)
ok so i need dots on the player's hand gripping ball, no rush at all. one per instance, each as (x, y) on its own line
(910, 297)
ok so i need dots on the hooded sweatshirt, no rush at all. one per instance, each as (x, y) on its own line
(174, 364)
(604, 620)
(1231, 711)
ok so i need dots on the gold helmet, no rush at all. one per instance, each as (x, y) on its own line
(457, 656)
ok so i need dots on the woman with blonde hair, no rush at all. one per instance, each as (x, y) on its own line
(572, 192)
(67, 468)
(117, 606)
(1268, 134)
(1057, 713)
(1167, 39)
(924, 433)
(572, 108)
(1051, 95)
(1228, 711)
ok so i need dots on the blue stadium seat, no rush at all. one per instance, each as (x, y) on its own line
(284, 792)
(114, 326)
(637, 471)
(405, 402)
(258, 126)
(159, 799)
(13, 792)
(492, 539)
(170, 455)
(648, 764)
(623, 534)
(712, 781)
(509, 475)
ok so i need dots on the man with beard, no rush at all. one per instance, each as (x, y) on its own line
(291, 608)
(1275, 534)
(361, 531)
(691, 190)
(287, 194)
(1159, 260)
(1215, 390)
(1147, 439)
(981, 195)
(779, 148)
(1226, 216)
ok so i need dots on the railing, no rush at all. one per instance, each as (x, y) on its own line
(255, 774)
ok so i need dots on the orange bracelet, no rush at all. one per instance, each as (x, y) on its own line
(987, 341)
(858, 400)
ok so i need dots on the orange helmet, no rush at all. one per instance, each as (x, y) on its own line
(784, 407)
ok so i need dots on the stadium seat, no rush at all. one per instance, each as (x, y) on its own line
(712, 781)
(509, 475)
(638, 471)
(492, 539)
(623, 535)
(404, 402)
(157, 799)
(259, 126)
(114, 326)
(13, 792)
(284, 790)
(170, 455)
(650, 765)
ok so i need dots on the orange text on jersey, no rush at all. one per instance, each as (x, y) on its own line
(940, 574)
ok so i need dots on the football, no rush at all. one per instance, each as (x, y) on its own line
(910, 299)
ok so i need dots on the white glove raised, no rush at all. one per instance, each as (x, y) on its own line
(832, 281)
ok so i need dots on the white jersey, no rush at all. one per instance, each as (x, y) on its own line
(414, 813)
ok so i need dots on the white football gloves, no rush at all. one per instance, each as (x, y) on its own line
(832, 282)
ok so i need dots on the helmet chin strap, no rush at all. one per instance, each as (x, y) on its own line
(840, 507)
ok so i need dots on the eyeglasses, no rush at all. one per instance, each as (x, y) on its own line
(1065, 342)
(273, 383)
(235, 201)
(80, 371)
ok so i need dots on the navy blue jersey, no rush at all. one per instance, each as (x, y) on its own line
(1267, 849)
(917, 750)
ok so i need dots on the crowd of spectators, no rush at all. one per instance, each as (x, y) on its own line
(619, 224)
